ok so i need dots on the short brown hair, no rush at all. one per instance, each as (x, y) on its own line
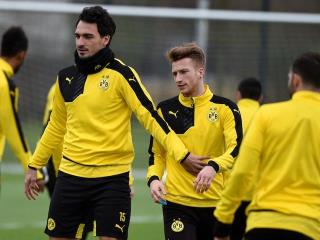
(187, 50)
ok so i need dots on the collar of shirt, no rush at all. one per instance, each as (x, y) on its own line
(196, 101)
(311, 95)
(6, 68)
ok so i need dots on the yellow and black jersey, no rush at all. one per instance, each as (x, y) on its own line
(57, 152)
(208, 125)
(92, 113)
(282, 144)
(248, 108)
(10, 127)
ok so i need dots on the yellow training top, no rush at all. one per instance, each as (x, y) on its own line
(208, 125)
(248, 108)
(282, 144)
(92, 112)
(10, 127)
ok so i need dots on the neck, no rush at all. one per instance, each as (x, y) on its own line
(306, 87)
(94, 63)
(198, 91)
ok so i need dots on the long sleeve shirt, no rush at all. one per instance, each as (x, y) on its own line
(208, 125)
(248, 108)
(92, 113)
(282, 144)
(10, 126)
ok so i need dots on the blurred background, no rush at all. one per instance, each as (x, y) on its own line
(250, 45)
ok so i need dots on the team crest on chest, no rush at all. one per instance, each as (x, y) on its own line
(213, 115)
(104, 83)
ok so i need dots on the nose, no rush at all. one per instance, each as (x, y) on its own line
(79, 41)
(178, 78)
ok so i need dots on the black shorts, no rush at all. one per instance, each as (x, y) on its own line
(75, 199)
(274, 234)
(187, 223)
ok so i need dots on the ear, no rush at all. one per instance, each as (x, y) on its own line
(260, 99)
(296, 81)
(106, 40)
(238, 95)
(21, 56)
(201, 71)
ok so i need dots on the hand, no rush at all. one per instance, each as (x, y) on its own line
(204, 179)
(222, 238)
(194, 164)
(31, 188)
(131, 192)
(157, 190)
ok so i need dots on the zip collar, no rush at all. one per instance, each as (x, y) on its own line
(196, 101)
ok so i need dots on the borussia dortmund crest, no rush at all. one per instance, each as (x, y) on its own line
(177, 225)
(51, 224)
(213, 115)
(104, 83)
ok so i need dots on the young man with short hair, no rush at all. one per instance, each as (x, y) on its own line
(208, 124)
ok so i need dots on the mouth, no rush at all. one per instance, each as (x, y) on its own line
(82, 52)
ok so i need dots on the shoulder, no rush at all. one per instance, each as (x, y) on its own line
(224, 101)
(274, 107)
(169, 103)
(126, 71)
(67, 72)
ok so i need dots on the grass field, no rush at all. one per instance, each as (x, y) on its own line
(24, 219)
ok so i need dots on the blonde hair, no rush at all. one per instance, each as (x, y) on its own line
(187, 50)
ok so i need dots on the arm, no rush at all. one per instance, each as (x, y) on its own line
(53, 134)
(156, 170)
(140, 102)
(241, 176)
(232, 131)
(11, 127)
(51, 138)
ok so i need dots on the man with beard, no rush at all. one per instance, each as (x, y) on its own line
(94, 100)
(281, 148)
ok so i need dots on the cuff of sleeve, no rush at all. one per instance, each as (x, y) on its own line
(214, 165)
(151, 179)
(33, 168)
(221, 229)
(185, 157)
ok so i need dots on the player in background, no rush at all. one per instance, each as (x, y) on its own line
(249, 97)
(14, 46)
(208, 124)
(280, 153)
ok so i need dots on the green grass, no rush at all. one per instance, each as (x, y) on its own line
(24, 219)
(21, 217)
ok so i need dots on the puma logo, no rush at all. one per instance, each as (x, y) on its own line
(69, 80)
(174, 113)
(118, 226)
(132, 80)
(235, 110)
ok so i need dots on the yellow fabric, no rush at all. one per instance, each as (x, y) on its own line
(57, 152)
(282, 144)
(216, 139)
(97, 129)
(248, 108)
(9, 129)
